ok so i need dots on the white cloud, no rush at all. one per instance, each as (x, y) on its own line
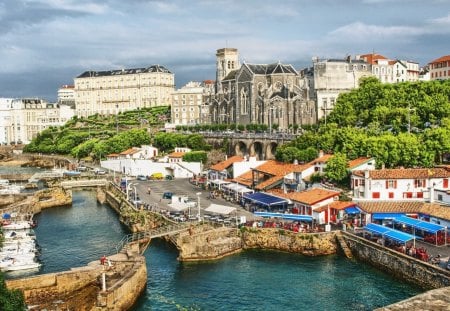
(70, 5)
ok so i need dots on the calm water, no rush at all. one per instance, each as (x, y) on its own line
(252, 280)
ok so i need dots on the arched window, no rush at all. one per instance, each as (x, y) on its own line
(244, 101)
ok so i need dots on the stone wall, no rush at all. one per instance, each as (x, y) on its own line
(206, 242)
(81, 288)
(397, 264)
(310, 244)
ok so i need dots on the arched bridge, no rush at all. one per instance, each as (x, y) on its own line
(147, 236)
(260, 145)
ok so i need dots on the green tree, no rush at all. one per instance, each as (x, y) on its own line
(336, 169)
(10, 300)
(195, 156)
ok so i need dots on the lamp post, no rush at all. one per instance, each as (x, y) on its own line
(198, 205)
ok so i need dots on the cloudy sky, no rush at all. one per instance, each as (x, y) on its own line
(47, 43)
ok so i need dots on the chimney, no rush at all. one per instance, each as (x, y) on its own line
(295, 162)
(320, 153)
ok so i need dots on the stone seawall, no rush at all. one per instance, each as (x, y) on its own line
(310, 244)
(400, 265)
(208, 243)
(82, 288)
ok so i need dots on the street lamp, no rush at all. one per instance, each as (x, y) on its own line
(198, 205)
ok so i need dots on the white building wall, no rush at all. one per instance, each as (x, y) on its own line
(134, 167)
(240, 168)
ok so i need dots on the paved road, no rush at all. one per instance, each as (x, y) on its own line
(180, 187)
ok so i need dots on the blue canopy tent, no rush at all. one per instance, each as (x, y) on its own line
(422, 225)
(265, 199)
(352, 210)
(383, 216)
(285, 216)
(389, 233)
(6, 216)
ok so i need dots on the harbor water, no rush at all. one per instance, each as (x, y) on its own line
(252, 280)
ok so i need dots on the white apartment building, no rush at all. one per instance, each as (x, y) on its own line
(333, 77)
(22, 119)
(66, 95)
(391, 71)
(114, 91)
(188, 106)
(399, 184)
(440, 68)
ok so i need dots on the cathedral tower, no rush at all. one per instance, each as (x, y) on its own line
(227, 61)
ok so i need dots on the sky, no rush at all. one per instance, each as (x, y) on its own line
(47, 43)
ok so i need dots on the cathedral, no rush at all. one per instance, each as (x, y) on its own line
(272, 94)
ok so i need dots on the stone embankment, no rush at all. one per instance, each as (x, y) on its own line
(207, 243)
(83, 288)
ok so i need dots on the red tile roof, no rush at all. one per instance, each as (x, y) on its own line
(273, 167)
(409, 173)
(372, 58)
(391, 207)
(227, 163)
(322, 159)
(176, 154)
(310, 197)
(130, 151)
(445, 58)
(337, 205)
(112, 155)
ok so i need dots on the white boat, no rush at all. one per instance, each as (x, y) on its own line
(18, 225)
(19, 235)
(17, 265)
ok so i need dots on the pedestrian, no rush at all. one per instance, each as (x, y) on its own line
(149, 191)
(103, 260)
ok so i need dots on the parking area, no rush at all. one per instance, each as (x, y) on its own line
(183, 188)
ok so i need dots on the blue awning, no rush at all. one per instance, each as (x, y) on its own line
(285, 216)
(352, 210)
(265, 199)
(389, 233)
(381, 216)
(419, 224)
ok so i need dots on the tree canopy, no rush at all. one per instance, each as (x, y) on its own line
(404, 124)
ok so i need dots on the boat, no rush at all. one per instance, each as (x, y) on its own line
(71, 173)
(20, 265)
(18, 225)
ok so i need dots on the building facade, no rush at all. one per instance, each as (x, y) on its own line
(187, 104)
(22, 119)
(440, 68)
(66, 96)
(111, 92)
(332, 77)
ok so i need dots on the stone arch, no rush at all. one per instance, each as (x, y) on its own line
(257, 150)
(240, 149)
(271, 148)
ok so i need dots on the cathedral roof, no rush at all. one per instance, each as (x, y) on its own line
(230, 76)
(268, 69)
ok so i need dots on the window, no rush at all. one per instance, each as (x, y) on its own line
(407, 195)
(420, 195)
(375, 195)
(391, 195)
(445, 183)
(391, 184)
(420, 183)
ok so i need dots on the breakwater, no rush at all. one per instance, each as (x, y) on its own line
(93, 287)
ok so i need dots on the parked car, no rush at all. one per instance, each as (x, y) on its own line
(81, 168)
(141, 177)
(99, 171)
(167, 195)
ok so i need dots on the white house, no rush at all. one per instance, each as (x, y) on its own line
(399, 184)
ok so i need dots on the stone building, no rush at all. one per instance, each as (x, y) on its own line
(331, 77)
(269, 94)
(188, 103)
(114, 91)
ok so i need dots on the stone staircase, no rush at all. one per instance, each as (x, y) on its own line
(343, 245)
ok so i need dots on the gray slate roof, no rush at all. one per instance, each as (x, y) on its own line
(153, 68)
